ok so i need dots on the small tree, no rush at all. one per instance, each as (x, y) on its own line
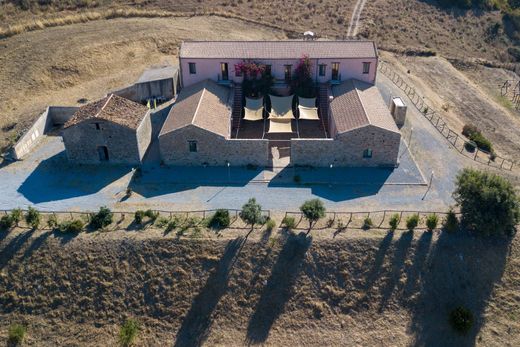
(128, 332)
(251, 213)
(367, 223)
(488, 203)
(451, 223)
(220, 220)
(289, 222)
(461, 319)
(33, 218)
(313, 210)
(412, 222)
(6, 222)
(394, 221)
(16, 334)
(102, 218)
(432, 221)
(16, 216)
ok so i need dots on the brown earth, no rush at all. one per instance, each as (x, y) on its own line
(360, 288)
(59, 66)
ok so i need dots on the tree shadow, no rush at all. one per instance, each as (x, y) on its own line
(378, 259)
(461, 270)
(197, 323)
(8, 251)
(278, 289)
(416, 270)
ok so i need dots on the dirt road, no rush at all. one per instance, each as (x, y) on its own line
(354, 20)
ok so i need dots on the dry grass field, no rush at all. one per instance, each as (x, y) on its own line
(360, 288)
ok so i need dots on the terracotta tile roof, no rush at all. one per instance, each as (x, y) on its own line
(205, 105)
(357, 104)
(278, 49)
(112, 108)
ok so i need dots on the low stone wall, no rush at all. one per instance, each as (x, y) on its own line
(347, 149)
(52, 116)
(140, 92)
(212, 149)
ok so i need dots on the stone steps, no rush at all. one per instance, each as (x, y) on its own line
(236, 114)
(324, 106)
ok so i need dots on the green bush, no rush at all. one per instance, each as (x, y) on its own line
(220, 220)
(32, 218)
(488, 203)
(270, 224)
(139, 216)
(162, 222)
(128, 332)
(432, 221)
(52, 221)
(16, 334)
(461, 320)
(412, 222)
(394, 221)
(289, 222)
(367, 223)
(6, 222)
(102, 218)
(475, 135)
(313, 210)
(152, 215)
(451, 223)
(71, 227)
(16, 215)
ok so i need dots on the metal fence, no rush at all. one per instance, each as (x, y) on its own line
(457, 141)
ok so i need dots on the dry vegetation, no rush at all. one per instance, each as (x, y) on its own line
(361, 288)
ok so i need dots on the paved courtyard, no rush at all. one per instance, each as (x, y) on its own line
(47, 181)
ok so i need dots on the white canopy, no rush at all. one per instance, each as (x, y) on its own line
(308, 113)
(307, 102)
(281, 107)
(254, 109)
(280, 126)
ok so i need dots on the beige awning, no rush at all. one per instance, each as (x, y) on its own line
(253, 115)
(280, 126)
(308, 113)
(281, 107)
(307, 102)
(254, 104)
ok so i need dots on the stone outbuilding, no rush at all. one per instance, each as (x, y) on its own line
(113, 129)
(197, 131)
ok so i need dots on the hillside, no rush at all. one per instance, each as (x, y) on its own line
(360, 288)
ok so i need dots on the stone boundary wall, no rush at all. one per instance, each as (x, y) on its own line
(52, 116)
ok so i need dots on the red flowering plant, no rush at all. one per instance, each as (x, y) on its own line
(250, 69)
(302, 82)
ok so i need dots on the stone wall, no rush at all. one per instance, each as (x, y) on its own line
(82, 141)
(347, 149)
(144, 135)
(212, 149)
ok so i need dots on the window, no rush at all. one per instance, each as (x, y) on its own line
(224, 71)
(103, 153)
(267, 70)
(98, 126)
(366, 68)
(193, 68)
(323, 69)
(288, 72)
(335, 72)
(367, 153)
(193, 146)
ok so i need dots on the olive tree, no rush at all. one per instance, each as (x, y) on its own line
(251, 213)
(488, 203)
(313, 210)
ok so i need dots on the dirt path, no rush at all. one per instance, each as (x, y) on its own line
(354, 20)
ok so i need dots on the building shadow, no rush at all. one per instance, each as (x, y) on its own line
(197, 323)
(278, 289)
(56, 179)
(460, 270)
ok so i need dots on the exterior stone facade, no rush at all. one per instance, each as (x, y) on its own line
(348, 149)
(123, 144)
(212, 149)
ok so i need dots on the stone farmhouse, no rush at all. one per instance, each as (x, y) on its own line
(345, 122)
(112, 129)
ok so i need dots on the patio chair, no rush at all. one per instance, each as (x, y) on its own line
(281, 107)
(254, 109)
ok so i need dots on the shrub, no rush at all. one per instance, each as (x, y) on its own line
(451, 223)
(367, 223)
(52, 221)
(270, 224)
(102, 218)
(289, 222)
(432, 221)
(16, 334)
(152, 215)
(412, 222)
(71, 227)
(461, 319)
(220, 220)
(488, 203)
(313, 210)
(33, 218)
(469, 129)
(251, 213)
(16, 215)
(394, 221)
(6, 222)
(475, 135)
(139, 216)
(162, 222)
(171, 225)
(128, 332)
